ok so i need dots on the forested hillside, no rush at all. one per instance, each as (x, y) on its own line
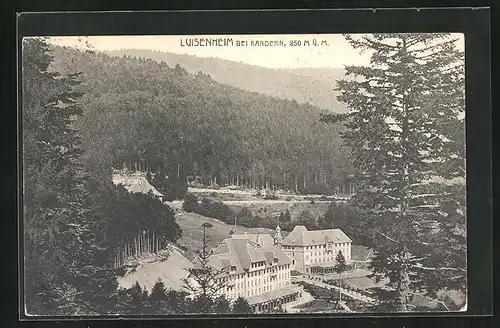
(312, 85)
(140, 110)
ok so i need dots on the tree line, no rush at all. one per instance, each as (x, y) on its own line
(350, 219)
(163, 301)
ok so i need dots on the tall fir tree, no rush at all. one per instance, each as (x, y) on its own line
(67, 264)
(340, 264)
(51, 186)
(130, 300)
(159, 299)
(406, 132)
(203, 280)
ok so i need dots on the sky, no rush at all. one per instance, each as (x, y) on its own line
(331, 50)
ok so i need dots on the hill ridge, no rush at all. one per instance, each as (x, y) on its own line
(304, 85)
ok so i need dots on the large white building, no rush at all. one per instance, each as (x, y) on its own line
(316, 250)
(255, 267)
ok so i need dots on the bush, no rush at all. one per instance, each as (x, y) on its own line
(244, 214)
(307, 219)
(266, 222)
(246, 219)
(176, 189)
(190, 203)
(285, 217)
(286, 226)
(171, 188)
(289, 199)
(216, 210)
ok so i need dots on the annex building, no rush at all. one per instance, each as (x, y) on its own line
(255, 267)
(315, 251)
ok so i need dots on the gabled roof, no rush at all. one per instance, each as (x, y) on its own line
(300, 236)
(241, 253)
(263, 239)
(269, 257)
(283, 259)
(135, 183)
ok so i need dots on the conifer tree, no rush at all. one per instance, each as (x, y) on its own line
(158, 292)
(178, 301)
(66, 264)
(136, 298)
(158, 299)
(222, 305)
(340, 265)
(203, 279)
(129, 300)
(406, 133)
(241, 306)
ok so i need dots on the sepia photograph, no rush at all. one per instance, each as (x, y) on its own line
(230, 175)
